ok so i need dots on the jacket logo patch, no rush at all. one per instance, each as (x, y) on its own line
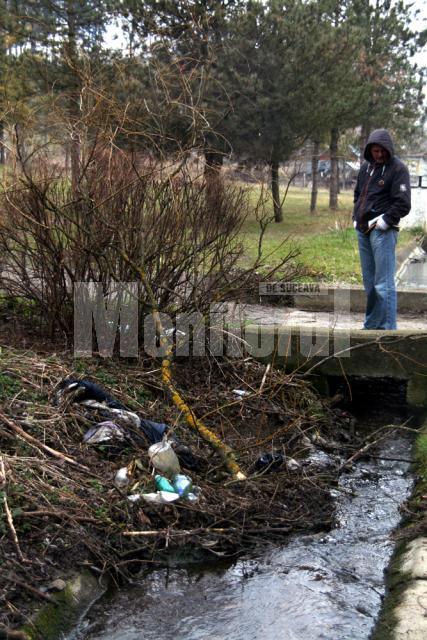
(403, 187)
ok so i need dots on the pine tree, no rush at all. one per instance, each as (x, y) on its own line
(391, 81)
(58, 39)
(283, 82)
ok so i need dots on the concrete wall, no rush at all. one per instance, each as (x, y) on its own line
(409, 300)
(400, 354)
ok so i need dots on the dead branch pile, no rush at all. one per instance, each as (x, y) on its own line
(60, 508)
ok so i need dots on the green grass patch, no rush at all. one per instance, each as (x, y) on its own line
(326, 240)
(9, 386)
(421, 455)
(106, 378)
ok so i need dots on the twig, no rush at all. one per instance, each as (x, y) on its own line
(361, 452)
(8, 513)
(378, 341)
(191, 532)
(53, 452)
(56, 514)
(33, 590)
(172, 532)
(9, 634)
(391, 459)
(264, 378)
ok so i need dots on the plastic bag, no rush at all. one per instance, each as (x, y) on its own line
(164, 458)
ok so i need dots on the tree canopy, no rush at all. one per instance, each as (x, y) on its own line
(246, 78)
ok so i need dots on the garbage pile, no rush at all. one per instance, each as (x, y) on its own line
(114, 479)
(124, 426)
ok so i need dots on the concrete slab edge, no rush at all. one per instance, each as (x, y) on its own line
(400, 354)
(403, 253)
(327, 297)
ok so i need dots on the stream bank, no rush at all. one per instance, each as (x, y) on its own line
(403, 615)
(325, 585)
(88, 517)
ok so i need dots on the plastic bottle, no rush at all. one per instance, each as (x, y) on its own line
(164, 458)
(163, 484)
(182, 484)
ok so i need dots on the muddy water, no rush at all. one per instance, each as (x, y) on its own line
(327, 586)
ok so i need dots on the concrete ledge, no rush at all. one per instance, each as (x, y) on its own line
(414, 560)
(400, 354)
(410, 613)
(328, 298)
(411, 620)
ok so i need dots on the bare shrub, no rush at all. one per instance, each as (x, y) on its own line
(116, 223)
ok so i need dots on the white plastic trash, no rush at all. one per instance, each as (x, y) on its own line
(164, 458)
(160, 497)
(134, 497)
(241, 392)
(121, 479)
(292, 465)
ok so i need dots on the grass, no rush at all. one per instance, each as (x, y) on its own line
(326, 240)
(421, 454)
(9, 387)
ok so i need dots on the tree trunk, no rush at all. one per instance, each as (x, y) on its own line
(338, 176)
(75, 162)
(333, 187)
(71, 58)
(213, 177)
(275, 192)
(2, 153)
(364, 135)
(314, 176)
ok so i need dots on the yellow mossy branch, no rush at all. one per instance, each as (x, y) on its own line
(225, 452)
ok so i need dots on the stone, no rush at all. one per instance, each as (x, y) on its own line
(57, 585)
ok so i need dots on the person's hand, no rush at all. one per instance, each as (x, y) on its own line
(355, 224)
(382, 224)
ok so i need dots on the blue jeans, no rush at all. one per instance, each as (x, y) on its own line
(378, 261)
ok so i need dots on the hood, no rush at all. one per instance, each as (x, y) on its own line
(382, 138)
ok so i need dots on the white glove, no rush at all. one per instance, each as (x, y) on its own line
(382, 224)
(354, 224)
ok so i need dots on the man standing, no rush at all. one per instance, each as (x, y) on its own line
(382, 196)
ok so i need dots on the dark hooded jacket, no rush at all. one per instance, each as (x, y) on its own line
(381, 189)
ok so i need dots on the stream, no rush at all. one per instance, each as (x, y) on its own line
(328, 585)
